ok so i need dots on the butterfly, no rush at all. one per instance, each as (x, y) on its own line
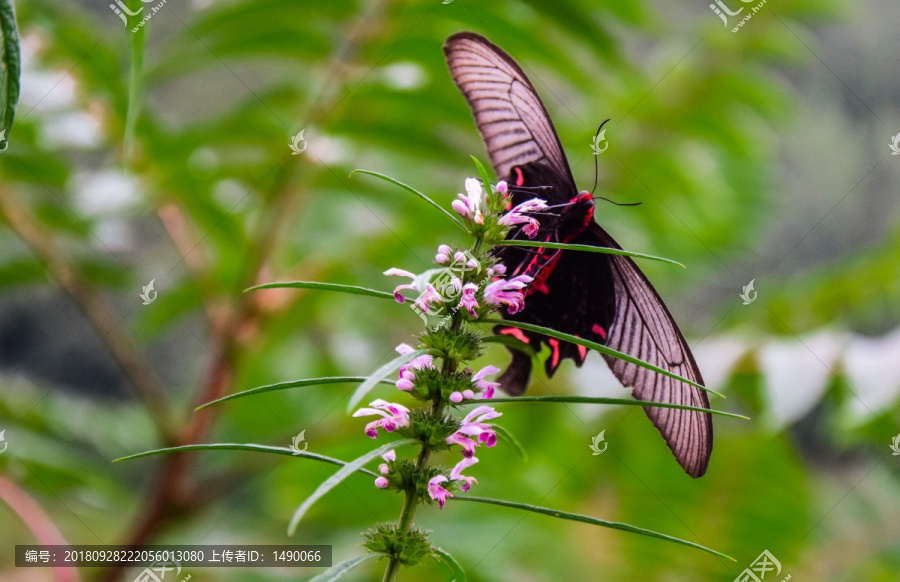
(603, 298)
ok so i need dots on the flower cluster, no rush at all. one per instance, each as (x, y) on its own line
(467, 285)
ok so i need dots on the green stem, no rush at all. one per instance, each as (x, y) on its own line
(411, 501)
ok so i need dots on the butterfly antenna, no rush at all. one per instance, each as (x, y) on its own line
(596, 161)
(617, 203)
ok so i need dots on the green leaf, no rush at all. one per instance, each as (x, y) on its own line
(245, 447)
(138, 43)
(417, 193)
(590, 520)
(485, 177)
(508, 438)
(287, 385)
(378, 376)
(512, 342)
(599, 400)
(339, 570)
(448, 566)
(10, 69)
(337, 478)
(595, 346)
(585, 248)
(352, 289)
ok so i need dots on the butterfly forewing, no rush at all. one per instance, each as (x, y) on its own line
(512, 119)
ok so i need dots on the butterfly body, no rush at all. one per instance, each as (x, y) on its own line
(603, 298)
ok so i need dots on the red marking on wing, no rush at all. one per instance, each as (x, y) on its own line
(554, 345)
(582, 351)
(598, 329)
(520, 179)
(516, 333)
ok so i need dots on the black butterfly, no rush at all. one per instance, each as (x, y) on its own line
(600, 297)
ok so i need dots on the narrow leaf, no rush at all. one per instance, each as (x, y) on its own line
(485, 177)
(417, 193)
(339, 570)
(245, 447)
(585, 248)
(599, 400)
(379, 375)
(288, 385)
(512, 342)
(508, 438)
(597, 347)
(448, 565)
(337, 478)
(590, 520)
(10, 70)
(325, 287)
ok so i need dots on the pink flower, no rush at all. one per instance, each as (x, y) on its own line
(381, 482)
(508, 292)
(468, 301)
(456, 397)
(498, 269)
(456, 473)
(502, 188)
(486, 387)
(393, 416)
(469, 205)
(517, 216)
(443, 255)
(407, 372)
(437, 492)
(467, 444)
(401, 273)
(474, 425)
(390, 457)
(430, 295)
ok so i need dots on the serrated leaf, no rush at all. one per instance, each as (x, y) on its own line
(245, 447)
(590, 520)
(599, 400)
(288, 385)
(512, 342)
(507, 437)
(596, 347)
(409, 188)
(352, 289)
(342, 474)
(586, 249)
(379, 375)
(10, 70)
(448, 566)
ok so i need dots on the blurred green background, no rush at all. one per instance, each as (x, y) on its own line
(163, 154)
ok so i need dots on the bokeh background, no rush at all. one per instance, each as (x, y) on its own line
(163, 155)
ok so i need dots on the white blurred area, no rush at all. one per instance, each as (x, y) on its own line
(795, 373)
